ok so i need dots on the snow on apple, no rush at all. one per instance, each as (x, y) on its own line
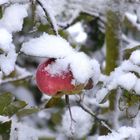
(81, 66)
(52, 84)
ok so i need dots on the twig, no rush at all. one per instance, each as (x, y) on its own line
(48, 17)
(68, 105)
(15, 79)
(85, 108)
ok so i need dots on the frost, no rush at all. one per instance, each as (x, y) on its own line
(135, 57)
(81, 126)
(5, 39)
(47, 46)
(13, 17)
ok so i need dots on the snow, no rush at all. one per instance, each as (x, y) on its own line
(133, 19)
(77, 32)
(51, 14)
(80, 66)
(57, 67)
(135, 57)
(81, 126)
(13, 17)
(47, 46)
(127, 81)
(21, 73)
(7, 61)
(3, 1)
(121, 134)
(96, 71)
(100, 95)
(22, 131)
(137, 87)
(25, 95)
(5, 39)
(4, 119)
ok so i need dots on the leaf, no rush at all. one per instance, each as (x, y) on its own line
(5, 100)
(14, 107)
(128, 52)
(28, 111)
(5, 130)
(53, 102)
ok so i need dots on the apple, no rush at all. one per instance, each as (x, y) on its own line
(53, 85)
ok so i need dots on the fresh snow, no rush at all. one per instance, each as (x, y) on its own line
(135, 57)
(121, 134)
(47, 46)
(127, 81)
(5, 39)
(7, 61)
(3, 1)
(4, 119)
(77, 32)
(137, 87)
(57, 67)
(81, 67)
(50, 46)
(23, 131)
(13, 17)
(80, 126)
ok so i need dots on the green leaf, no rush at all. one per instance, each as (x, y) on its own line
(53, 102)
(28, 111)
(128, 52)
(14, 107)
(5, 100)
(5, 130)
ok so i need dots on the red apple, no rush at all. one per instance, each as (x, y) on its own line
(53, 84)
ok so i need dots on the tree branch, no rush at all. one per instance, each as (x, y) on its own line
(48, 16)
(86, 109)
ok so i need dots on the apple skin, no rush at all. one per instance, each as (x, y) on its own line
(53, 85)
